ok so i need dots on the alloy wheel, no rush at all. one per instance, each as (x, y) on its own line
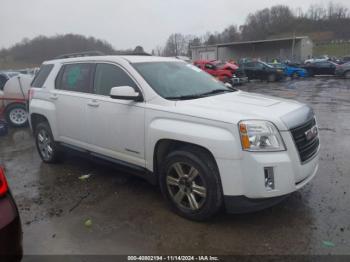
(45, 144)
(186, 186)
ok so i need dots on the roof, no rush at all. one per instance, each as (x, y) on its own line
(116, 58)
(255, 41)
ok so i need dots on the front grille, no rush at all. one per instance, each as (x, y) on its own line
(306, 148)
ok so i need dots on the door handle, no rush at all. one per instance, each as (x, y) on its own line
(53, 97)
(93, 104)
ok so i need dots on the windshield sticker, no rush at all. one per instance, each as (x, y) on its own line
(194, 68)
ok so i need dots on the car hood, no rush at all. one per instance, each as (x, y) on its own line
(237, 106)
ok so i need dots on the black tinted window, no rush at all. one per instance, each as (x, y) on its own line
(108, 76)
(3, 80)
(42, 75)
(76, 77)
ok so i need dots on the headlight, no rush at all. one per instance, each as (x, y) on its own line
(258, 135)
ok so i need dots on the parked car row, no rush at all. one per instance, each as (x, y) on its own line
(246, 70)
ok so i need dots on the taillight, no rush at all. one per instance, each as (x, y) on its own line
(3, 183)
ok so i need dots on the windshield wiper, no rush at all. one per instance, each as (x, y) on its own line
(215, 91)
(183, 97)
(195, 96)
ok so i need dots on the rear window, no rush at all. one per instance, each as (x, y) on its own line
(42, 75)
(76, 77)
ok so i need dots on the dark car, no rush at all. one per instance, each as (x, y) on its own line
(343, 70)
(262, 71)
(321, 68)
(10, 224)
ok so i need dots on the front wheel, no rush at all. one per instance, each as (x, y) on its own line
(48, 149)
(191, 185)
(17, 115)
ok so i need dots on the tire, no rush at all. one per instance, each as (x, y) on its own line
(198, 196)
(48, 149)
(16, 115)
(271, 78)
(347, 74)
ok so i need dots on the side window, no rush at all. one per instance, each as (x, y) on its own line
(259, 66)
(41, 76)
(75, 77)
(108, 76)
(3, 81)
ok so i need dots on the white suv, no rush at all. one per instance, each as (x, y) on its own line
(206, 144)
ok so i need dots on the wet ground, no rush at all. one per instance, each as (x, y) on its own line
(126, 215)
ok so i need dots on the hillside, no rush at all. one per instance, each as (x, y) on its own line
(30, 53)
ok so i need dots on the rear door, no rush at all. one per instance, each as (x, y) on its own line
(73, 92)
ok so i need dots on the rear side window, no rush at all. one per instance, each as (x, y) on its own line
(108, 76)
(75, 77)
(3, 81)
(41, 76)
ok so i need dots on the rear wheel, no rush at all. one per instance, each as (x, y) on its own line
(17, 115)
(48, 149)
(191, 185)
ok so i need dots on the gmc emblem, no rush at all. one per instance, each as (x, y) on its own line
(311, 133)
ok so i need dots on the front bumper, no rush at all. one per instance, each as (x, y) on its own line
(242, 204)
(239, 80)
(245, 178)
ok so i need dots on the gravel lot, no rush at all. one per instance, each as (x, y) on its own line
(129, 216)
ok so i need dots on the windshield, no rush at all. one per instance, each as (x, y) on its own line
(178, 80)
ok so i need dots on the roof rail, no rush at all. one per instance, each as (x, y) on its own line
(133, 53)
(80, 54)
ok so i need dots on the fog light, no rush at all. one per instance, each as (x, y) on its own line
(269, 178)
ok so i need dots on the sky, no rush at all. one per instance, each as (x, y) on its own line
(128, 23)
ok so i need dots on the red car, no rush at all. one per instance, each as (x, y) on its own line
(10, 224)
(225, 72)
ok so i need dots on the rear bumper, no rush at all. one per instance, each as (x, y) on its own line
(339, 72)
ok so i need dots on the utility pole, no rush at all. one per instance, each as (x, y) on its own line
(293, 46)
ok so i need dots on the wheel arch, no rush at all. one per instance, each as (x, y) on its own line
(36, 118)
(164, 146)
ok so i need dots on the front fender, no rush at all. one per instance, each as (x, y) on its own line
(220, 141)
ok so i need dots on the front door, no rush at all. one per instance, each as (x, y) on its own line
(117, 126)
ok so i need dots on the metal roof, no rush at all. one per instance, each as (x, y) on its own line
(254, 42)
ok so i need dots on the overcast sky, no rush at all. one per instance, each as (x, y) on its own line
(127, 23)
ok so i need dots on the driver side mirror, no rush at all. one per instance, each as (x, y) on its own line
(125, 93)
